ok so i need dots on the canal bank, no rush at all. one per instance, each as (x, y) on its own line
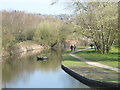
(22, 47)
(91, 83)
(89, 71)
(93, 74)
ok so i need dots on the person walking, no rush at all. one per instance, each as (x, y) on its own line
(74, 48)
(91, 45)
(71, 47)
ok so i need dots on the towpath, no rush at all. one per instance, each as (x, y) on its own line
(92, 62)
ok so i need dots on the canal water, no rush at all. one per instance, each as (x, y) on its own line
(24, 71)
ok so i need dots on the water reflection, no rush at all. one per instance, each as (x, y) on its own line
(27, 72)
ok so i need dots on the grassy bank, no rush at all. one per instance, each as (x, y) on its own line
(110, 59)
(89, 71)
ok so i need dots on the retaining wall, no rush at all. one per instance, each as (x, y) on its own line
(90, 82)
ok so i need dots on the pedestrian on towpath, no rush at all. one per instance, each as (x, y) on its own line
(91, 45)
(71, 47)
(74, 48)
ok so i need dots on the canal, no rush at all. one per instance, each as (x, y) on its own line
(24, 71)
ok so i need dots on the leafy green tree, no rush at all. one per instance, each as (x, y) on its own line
(98, 21)
(18, 26)
(47, 32)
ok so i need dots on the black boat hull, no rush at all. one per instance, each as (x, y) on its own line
(41, 58)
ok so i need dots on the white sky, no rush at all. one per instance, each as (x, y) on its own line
(34, 6)
(39, 6)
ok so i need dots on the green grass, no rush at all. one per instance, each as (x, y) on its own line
(110, 59)
(82, 47)
(71, 61)
(67, 57)
(90, 71)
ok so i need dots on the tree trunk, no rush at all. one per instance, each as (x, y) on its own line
(54, 44)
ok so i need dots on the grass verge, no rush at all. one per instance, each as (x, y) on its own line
(110, 59)
(89, 71)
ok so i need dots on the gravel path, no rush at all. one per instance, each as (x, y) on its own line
(91, 62)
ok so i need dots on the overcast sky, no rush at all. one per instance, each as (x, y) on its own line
(35, 6)
(39, 6)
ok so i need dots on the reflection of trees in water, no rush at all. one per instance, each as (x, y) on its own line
(25, 54)
(13, 69)
(23, 67)
(52, 63)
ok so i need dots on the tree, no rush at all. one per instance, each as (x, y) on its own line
(47, 32)
(21, 26)
(18, 26)
(98, 21)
